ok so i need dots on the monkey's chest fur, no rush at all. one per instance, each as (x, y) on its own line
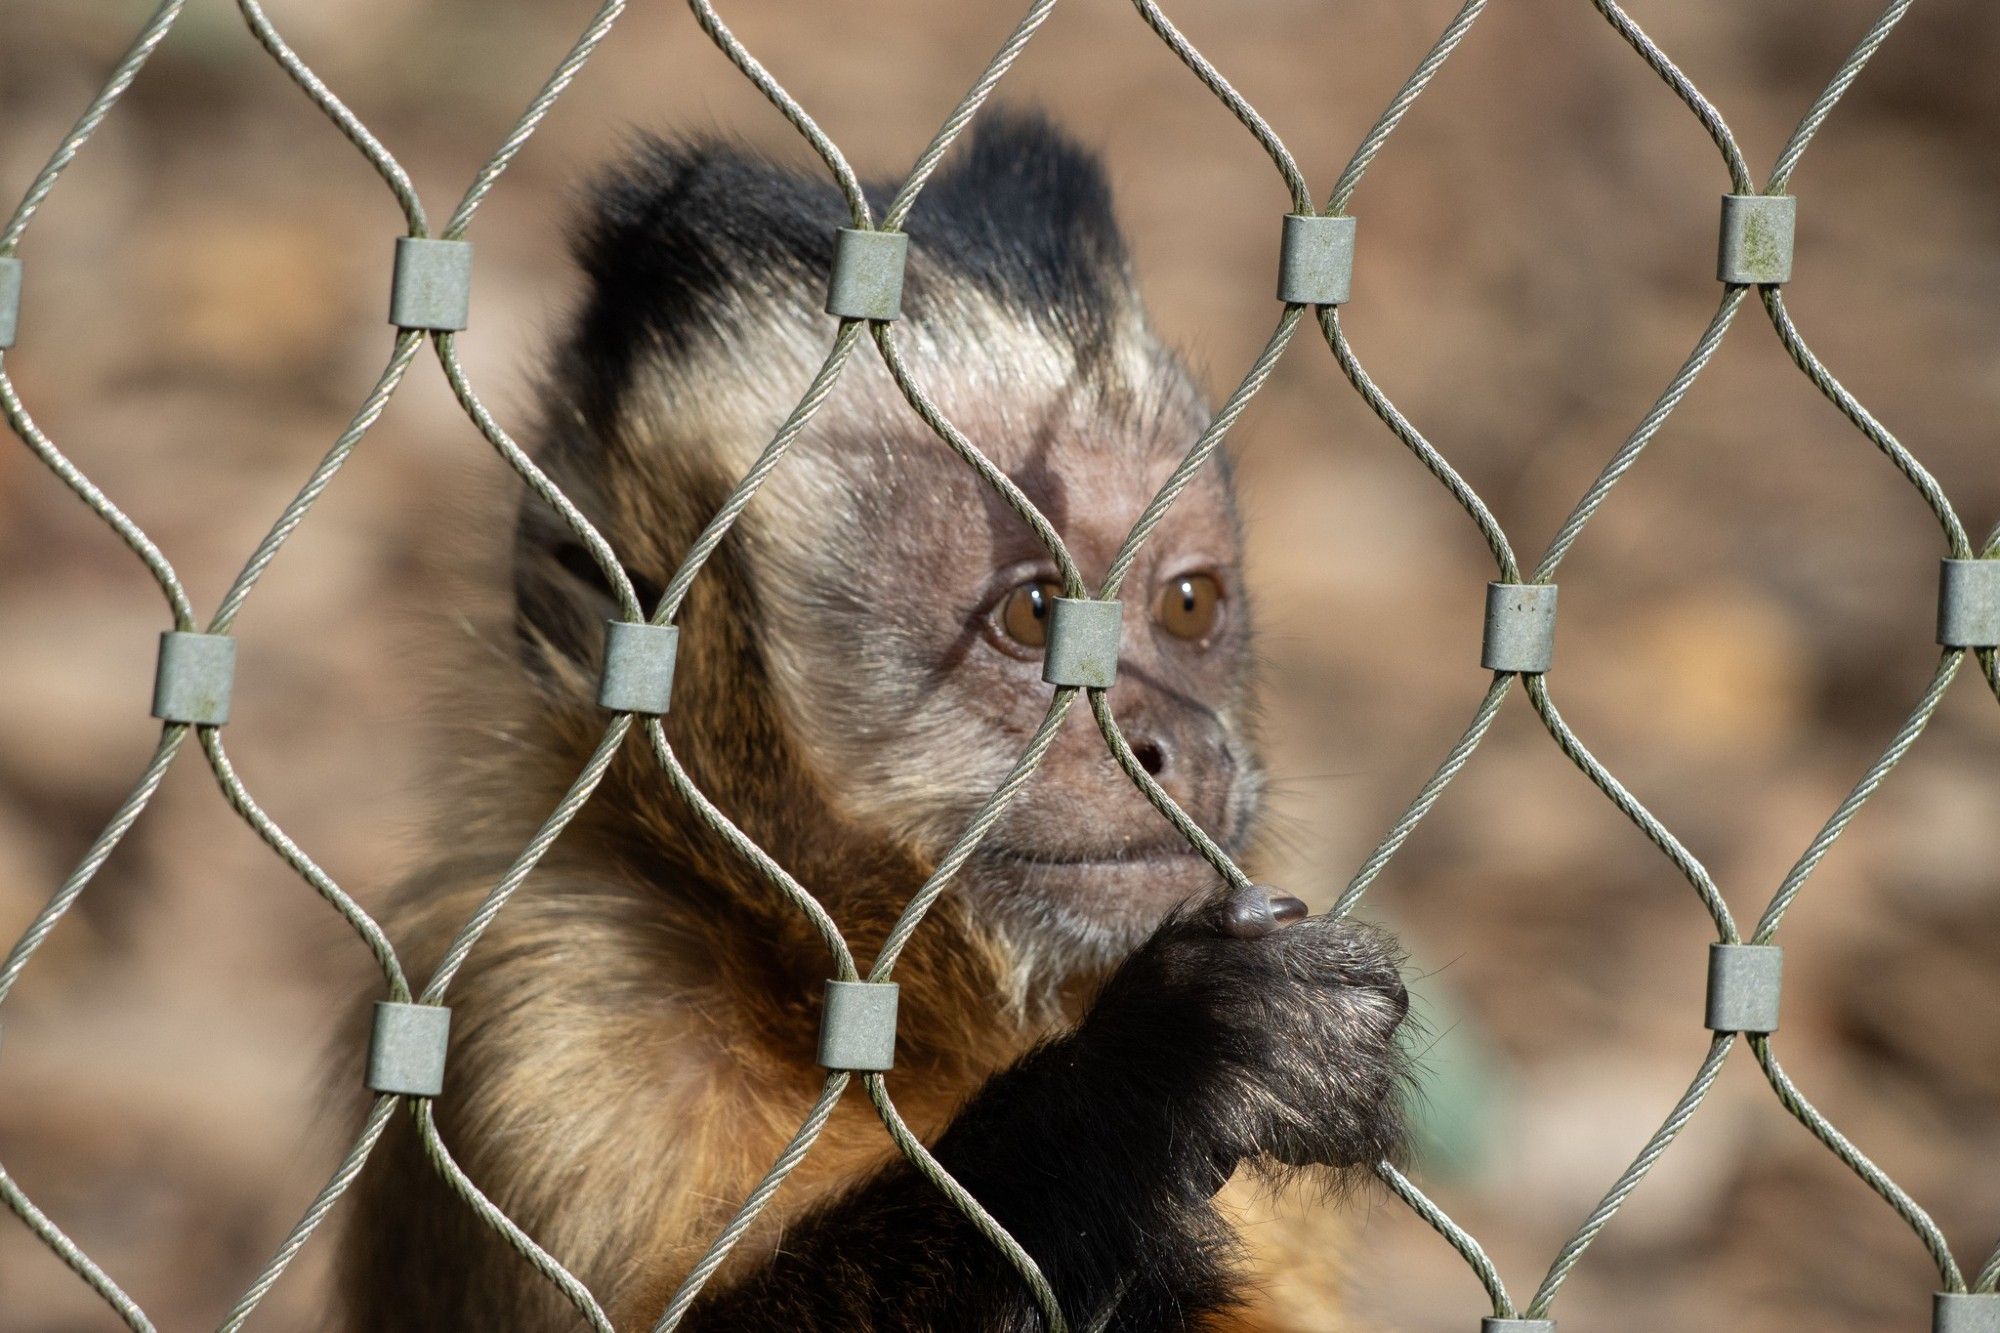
(621, 1113)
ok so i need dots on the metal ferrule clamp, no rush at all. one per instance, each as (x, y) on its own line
(433, 285)
(1520, 627)
(1969, 604)
(1491, 1325)
(1963, 1312)
(1745, 983)
(1755, 247)
(1316, 260)
(407, 1048)
(857, 1027)
(867, 277)
(10, 301)
(1082, 645)
(193, 677)
(638, 674)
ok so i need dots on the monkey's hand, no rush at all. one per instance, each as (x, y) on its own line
(1255, 1038)
(1228, 1034)
(1238, 1030)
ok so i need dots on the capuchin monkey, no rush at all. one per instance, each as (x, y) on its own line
(1093, 1034)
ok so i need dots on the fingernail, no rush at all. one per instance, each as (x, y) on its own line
(1248, 915)
(1286, 909)
(1256, 911)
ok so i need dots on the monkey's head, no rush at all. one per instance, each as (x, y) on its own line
(861, 659)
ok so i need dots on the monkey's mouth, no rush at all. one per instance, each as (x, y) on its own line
(1161, 856)
(1155, 857)
(1140, 882)
(1106, 897)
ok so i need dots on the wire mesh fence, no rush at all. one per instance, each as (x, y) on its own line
(196, 658)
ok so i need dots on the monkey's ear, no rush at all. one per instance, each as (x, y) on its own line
(561, 597)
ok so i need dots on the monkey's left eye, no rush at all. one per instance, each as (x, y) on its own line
(1024, 615)
(1190, 606)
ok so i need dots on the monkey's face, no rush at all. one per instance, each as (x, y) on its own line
(877, 616)
(913, 655)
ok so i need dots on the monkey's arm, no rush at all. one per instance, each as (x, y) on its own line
(1069, 1151)
(1100, 1152)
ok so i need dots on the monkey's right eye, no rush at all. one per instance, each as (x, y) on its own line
(1024, 615)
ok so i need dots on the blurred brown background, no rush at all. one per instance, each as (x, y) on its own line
(1746, 623)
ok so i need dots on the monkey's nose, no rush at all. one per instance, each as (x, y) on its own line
(1150, 756)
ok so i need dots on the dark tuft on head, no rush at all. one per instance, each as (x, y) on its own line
(1026, 214)
(685, 239)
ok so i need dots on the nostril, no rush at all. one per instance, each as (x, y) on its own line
(1150, 756)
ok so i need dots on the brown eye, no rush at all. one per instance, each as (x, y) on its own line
(1025, 613)
(1191, 606)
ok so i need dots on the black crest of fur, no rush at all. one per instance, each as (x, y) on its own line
(685, 235)
(694, 245)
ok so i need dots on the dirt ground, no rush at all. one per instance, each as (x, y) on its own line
(1746, 623)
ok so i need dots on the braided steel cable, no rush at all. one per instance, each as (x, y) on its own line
(409, 343)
